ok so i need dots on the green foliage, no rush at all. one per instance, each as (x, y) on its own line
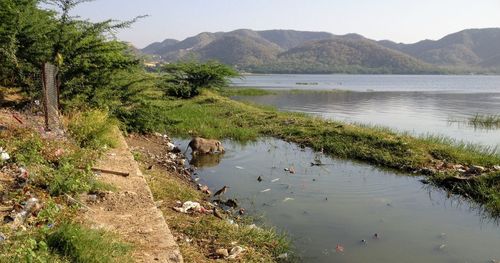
(86, 245)
(92, 129)
(68, 179)
(145, 118)
(185, 79)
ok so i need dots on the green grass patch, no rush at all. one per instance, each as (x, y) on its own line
(243, 91)
(80, 244)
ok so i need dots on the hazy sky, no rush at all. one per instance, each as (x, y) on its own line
(399, 20)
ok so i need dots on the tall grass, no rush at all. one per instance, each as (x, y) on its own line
(485, 121)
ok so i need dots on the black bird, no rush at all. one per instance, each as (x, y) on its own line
(259, 179)
(221, 191)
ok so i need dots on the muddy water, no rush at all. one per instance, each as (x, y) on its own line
(343, 202)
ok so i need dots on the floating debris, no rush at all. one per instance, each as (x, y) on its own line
(265, 190)
(339, 248)
(239, 167)
(363, 241)
(288, 199)
(275, 180)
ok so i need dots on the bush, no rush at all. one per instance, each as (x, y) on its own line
(185, 79)
(93, 129)
(146, 118)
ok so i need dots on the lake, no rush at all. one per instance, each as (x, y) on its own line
(439, 105)
(346, 203)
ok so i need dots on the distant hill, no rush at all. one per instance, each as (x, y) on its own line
(345, 55)
(467, 48)
(280, 51)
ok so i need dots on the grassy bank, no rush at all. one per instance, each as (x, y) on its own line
(39, 220)
(214, 116)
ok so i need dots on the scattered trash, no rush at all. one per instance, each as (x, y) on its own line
(170, 146)
(259, 179)
(189, 206)
(222, 252)
(239, 167)
(363, 241)
(282, 256)
(441, 247)
(235, 252)
(254, 226)
(287, 170)
(288, 199)
(231, 222)
(339, 248)
(196, 179)
(275, 180)
(92, 198)
(292, 170)
(241, 211)
(204, 189)
(265, 190)
(4, 156)
(217, 213)
(2, 238)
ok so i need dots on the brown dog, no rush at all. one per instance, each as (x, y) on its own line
(204, 146)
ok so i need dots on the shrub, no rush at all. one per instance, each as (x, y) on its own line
(93, 129)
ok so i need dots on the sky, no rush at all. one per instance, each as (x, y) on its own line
(406, 21)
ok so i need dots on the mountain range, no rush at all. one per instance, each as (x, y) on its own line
(290, 51)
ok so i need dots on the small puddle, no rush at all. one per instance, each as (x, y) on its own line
(343, 203)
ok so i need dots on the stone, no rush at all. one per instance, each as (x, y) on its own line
(222, 252)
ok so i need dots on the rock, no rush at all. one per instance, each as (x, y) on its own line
(496, 167)
(222, 252)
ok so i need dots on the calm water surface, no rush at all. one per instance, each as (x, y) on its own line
(417, 104)
(344, 202)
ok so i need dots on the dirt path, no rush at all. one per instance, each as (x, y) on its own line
(130, 210)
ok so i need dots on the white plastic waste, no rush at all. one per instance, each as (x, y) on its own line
(189, 206)
(170, 146)
(265, 190)
(235, 252)
(288, 199)
(4, 156)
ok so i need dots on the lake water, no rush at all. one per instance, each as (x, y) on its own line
(438, 105)
(344, 202)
